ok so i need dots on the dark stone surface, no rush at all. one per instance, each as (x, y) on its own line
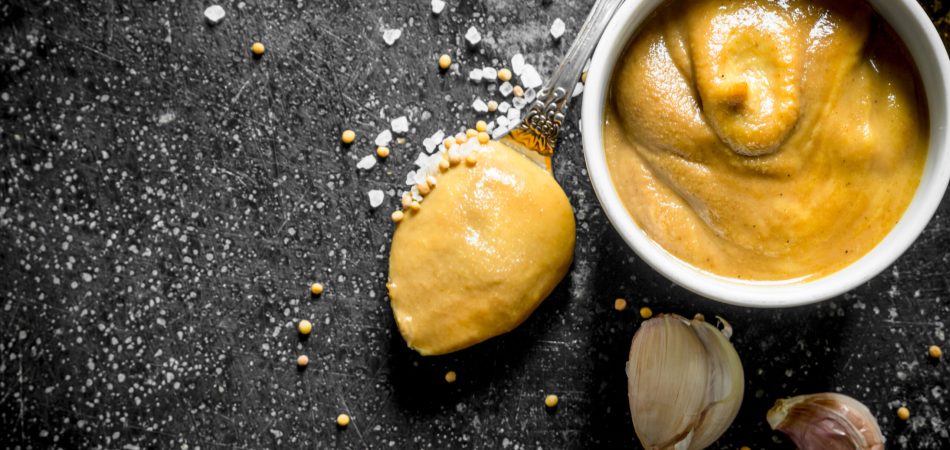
(166, 199)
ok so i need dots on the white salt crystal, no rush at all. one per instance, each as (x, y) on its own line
(420, 162)
(518, 102)
(383, 139)
(578, 89)
(400, 125)
(489, 74)
(473, 36)
(437, 6)
(433, 141)
(391, 36)
(376, 197)
(517, 63)
(502, 121)
(557, 28)
(530, 77)
(514, 115)
(411, 177)
(499, 132)
(505, 89)
(503, 107)
(480, 106)
(475, 75)
(214, 14)
(530, 94)
(367, 162)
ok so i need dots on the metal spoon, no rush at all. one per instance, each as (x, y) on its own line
(536, 135)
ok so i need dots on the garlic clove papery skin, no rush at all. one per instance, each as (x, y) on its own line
(826, 421)
(685, 383)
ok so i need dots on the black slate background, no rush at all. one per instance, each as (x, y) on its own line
(166, 199)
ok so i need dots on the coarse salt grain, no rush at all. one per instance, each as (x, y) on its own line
(437, 6)
(400, 125)
(475, 75)
(376, 197)
(390, 36)
(530, 94)
(480, 106)
(432, 142)
(383, 139)
(367, 162)
(518, 102)
(502, 121)
(578, 89)
(530, 77)
(514, 115)
(503, 107)
(557, 28)
(505, 89)
(473, 36)
(214, 14)
(517, 63)
(489, 74)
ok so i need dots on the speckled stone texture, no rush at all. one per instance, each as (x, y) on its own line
(166, 199)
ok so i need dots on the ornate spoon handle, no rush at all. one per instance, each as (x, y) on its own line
(539, 129)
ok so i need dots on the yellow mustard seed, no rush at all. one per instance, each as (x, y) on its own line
(935, 352)
(304, 327)
(903, 413)
(450, 376)
(343, 420)
(646, 312)
(460, 138)
(504, 74)
(448, 143)
(744, 447)
(431, 181)
(445, 61)
(423, 188)
(382, 152)
(303, 361)
(492, 106)
(483, 138)
(316, 288)
(454, 159)
(406, 200)
(584, 77)
(470, 133)
(348, 137)
(550, 401)
(481, 126)
(444, 165)
(518, 91)
(620, 304)
(397, 216)
(470, 160)
(415, 206)
(257, 49)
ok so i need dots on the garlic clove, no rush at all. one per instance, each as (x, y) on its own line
(726, 382)
(826, 421)
(684, 386)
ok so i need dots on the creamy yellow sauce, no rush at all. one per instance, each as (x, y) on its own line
(490, 242)
(766, 140)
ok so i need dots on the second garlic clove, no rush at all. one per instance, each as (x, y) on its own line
(826, 421)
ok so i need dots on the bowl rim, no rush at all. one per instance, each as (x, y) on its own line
(927, 51)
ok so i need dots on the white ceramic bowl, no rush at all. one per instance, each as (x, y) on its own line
(926, 49)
